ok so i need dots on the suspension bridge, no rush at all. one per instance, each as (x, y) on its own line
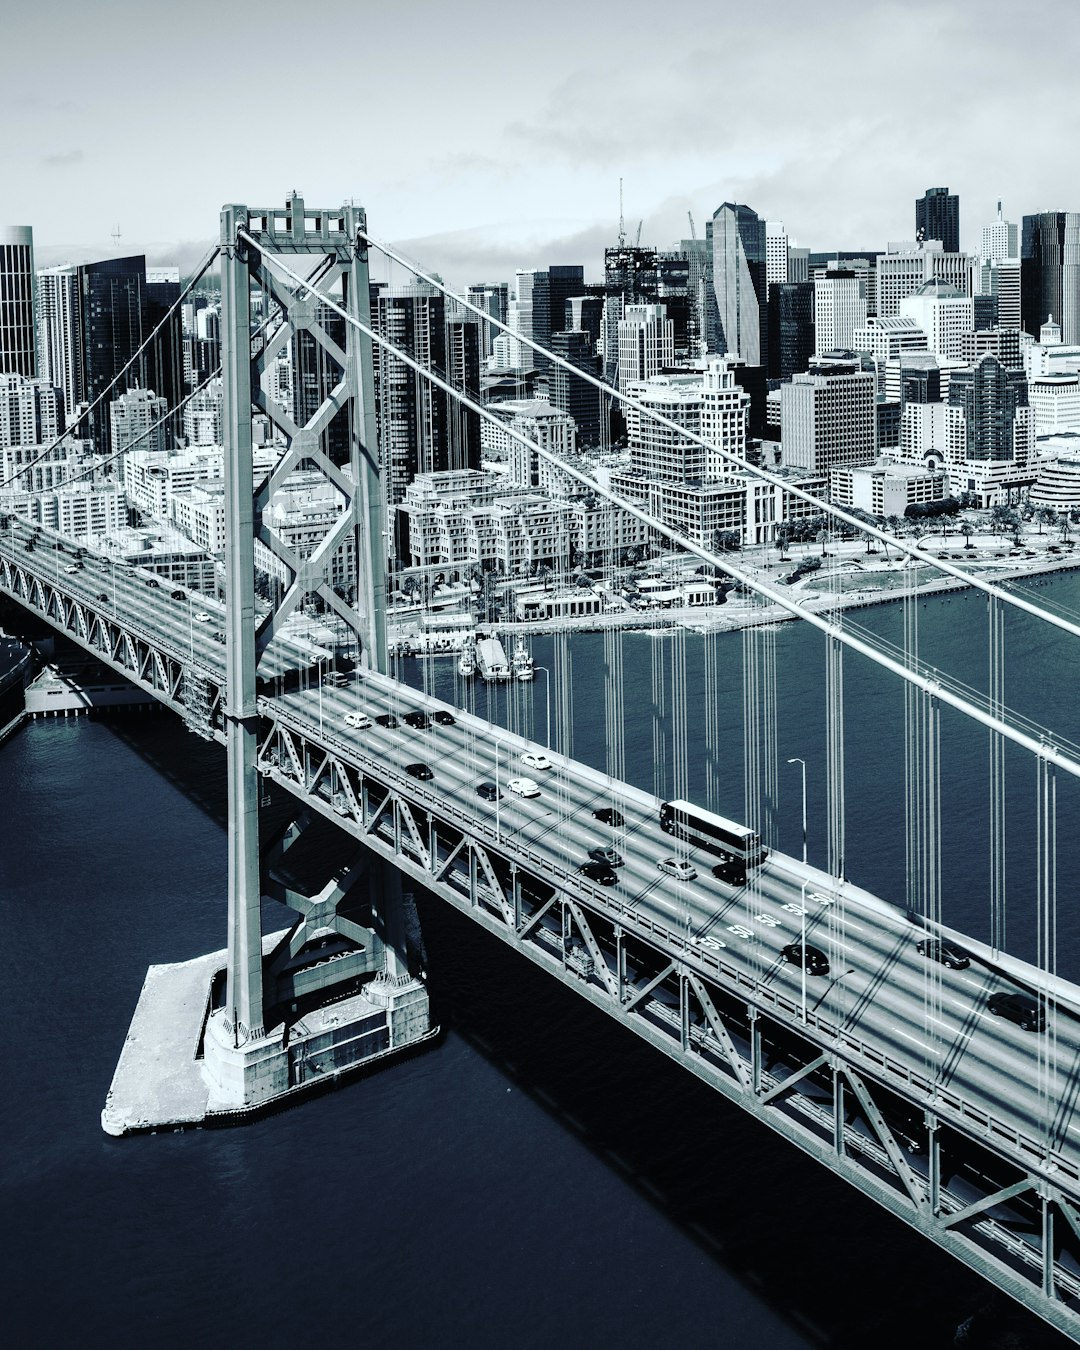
(936, 1073)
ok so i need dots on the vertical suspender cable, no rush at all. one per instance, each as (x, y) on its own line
(996, 625)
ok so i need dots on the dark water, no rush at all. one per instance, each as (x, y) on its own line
(539, 1177)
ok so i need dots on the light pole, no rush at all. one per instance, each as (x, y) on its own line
(498, 796)
(547, 700)
(802, 764)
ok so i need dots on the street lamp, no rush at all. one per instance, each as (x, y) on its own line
(802, 764)
(547, 700)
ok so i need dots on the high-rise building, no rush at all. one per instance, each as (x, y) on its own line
(493, 298)
(17, 350)
(1001, 279)
(827, 418)
(1000, 240)
(164, 358)
(888, 338)
(839, 309)
(776, 252)
(584, 315)
(906, 266)
(112, 310)
(943, 313)
(31, 411)
(791, 328)
(59, 332)
(646, 343)
(737, 238)
(570, 394)
(137, 420)
(530, 313)
(463, 372)
(798, 264)
(937, 216)
(563, 282)
(314, 375)
(1050, 272)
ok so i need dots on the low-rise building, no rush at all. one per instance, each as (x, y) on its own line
(886, 489)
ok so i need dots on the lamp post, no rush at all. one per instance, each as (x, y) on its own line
(498, 796)
(802, 764)
(547, 701)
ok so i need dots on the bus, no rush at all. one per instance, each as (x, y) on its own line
(737, 845)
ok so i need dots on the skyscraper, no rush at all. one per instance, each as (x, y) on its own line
(570, 394)
(17, 352)
(463, 372)
(937, 216)
(776, 252)
(1000, 239)
(737, 237)
(563, 282)
(791, 328)
(839, 308)
(59, 332)
(112, 311)
(646, 343)
(1050, 272)
(530, 313)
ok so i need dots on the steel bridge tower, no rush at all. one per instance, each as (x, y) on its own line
(271, 1033)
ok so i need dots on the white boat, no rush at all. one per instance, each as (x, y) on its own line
(467, 661)
(522, 665)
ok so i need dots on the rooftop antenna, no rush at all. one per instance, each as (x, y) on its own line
(622, 223)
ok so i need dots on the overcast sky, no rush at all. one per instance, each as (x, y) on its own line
(485, 136)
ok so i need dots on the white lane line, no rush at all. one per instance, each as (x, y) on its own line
(925, 1048)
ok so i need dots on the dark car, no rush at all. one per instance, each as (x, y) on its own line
(443, 718)
(488, 791)
(218, 637)
(611, 856)
(388, 720)
(600, 872)
(810, 958)
(420, 771)
(1023, 1009)
(177, 595)
(941, 949)
(153, 583)
(102, 596)
(610, 815)
(417, 719)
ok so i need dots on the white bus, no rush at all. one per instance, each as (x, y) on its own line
(738, 845)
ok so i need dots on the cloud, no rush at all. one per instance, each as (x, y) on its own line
(63, 159)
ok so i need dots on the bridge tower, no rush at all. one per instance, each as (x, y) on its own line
(336, 990)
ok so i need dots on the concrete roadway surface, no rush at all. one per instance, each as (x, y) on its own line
(879, 990)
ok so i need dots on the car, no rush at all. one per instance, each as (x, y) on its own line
(153, 583)
(388, 720)
(608, 855)
(334, 679)
(177, 595)
(524, 787)
(71, 568)
(1023, 1009)
(420, 771)
(675, 867)
(488, 791)
(805, 955)
(102, 596)
(358, 721)
(202, 617)
(941, 949)
(418, 719)
(610, 815)
(601, 872)
(533, 759)
(443, 718)
(218, 637)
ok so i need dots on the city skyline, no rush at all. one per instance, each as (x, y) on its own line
(791, 120)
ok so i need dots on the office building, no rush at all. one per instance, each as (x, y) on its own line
(18, 354)
(737, 238)
(571, 395)
(943, 313)
(138, 420)
(791, 328)
(463, 373)
(907, 266)
(887, 338)
(996, 419)
(31, 411)
(563, 282)
(112, 311)
(1050, 272)
(530, 314)
(1000, 278)
(494, 299)
(776, 252)
(828, 418)
(937, 216)
(1004, 343)
(798, 264)
(839, 309)
(646, 343)
(584, 314)
(1000, 240)
(1055, 403)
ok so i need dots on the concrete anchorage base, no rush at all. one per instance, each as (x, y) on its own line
(180, 1068)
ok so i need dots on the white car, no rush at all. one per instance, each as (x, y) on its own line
(675, 867)
(202, 617)
(358, 721)
(532, 759)
(70, 568)
(524, 787)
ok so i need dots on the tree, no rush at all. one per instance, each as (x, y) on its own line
(967, 529)
(726, 541)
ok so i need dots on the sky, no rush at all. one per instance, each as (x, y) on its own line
(484, 136)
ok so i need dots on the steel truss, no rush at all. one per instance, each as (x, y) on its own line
(1004, 1203)
(195, 692)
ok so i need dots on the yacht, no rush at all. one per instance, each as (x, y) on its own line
(521, 663)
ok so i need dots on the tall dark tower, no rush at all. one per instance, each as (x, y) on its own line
(736, 235)
(113, 312)
(563, 282)
(1050, 272)
(17, 347)
(937, 216)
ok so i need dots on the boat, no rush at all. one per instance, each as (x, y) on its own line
(522, 666)
(467, 661)
(491, 660)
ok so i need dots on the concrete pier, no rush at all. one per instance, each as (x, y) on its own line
(179, 1067)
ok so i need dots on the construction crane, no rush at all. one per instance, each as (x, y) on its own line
(693, 231)
(637, 241)
(622, 223)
